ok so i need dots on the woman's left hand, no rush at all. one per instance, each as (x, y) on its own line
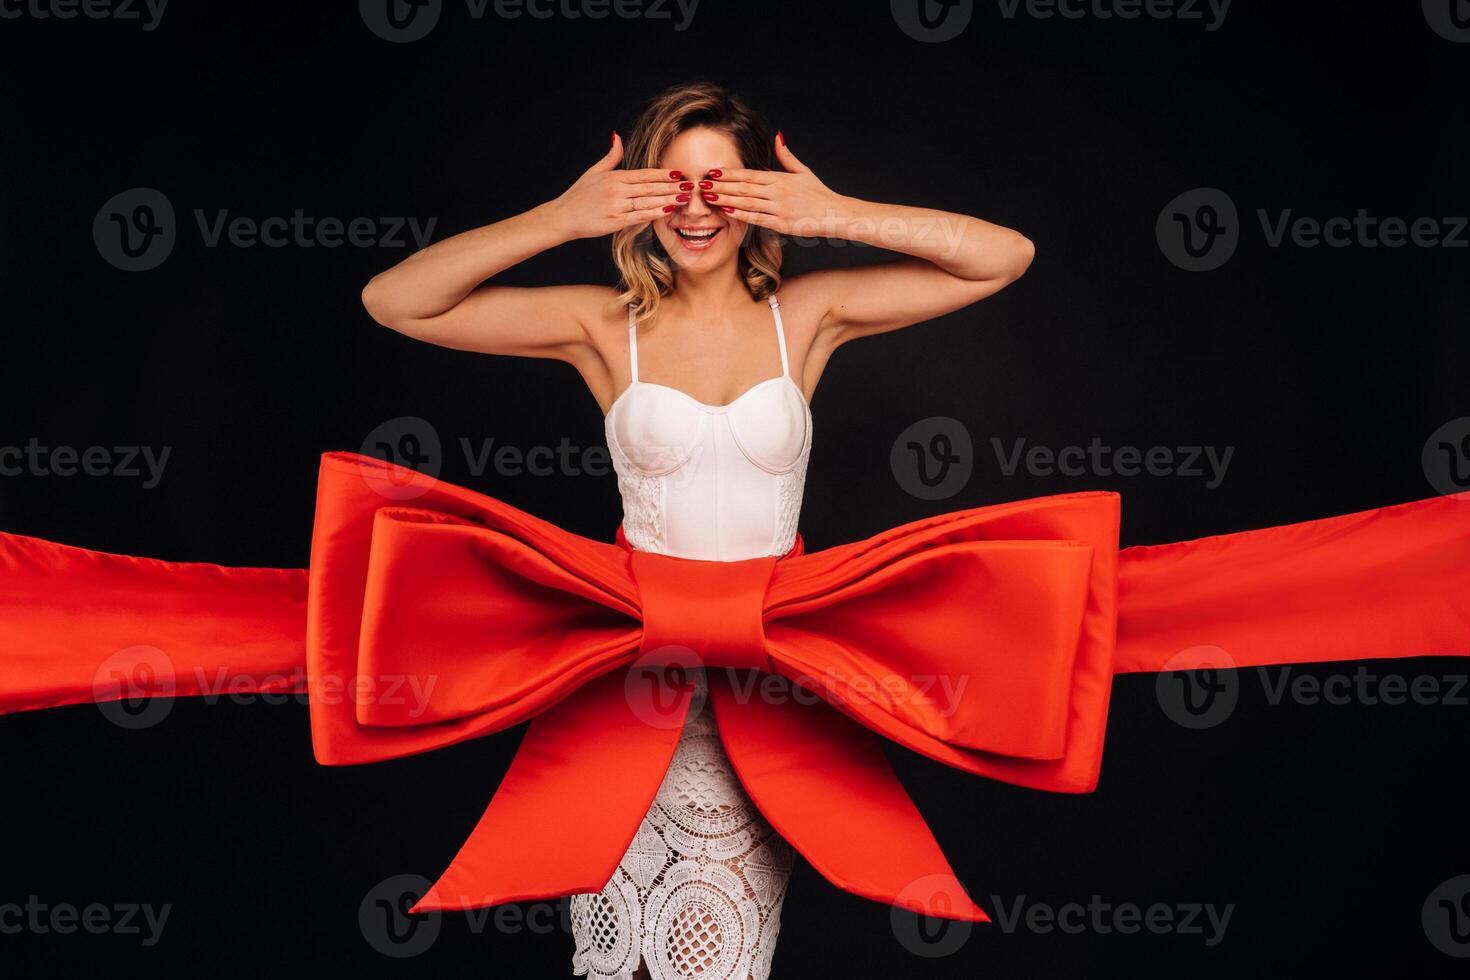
(792, 203)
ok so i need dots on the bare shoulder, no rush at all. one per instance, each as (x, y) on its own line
(604, 323)
(806, 304)
(805, 301)
(595, 307)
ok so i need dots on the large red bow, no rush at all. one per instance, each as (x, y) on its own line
(983, 638)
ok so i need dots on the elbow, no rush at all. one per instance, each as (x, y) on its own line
(1023, 252)
(375, 301)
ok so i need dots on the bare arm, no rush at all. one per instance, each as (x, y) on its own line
(436, 295)
(954, 259)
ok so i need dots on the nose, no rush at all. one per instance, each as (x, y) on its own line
(697, 206)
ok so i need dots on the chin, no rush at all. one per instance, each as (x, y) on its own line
(709, 259)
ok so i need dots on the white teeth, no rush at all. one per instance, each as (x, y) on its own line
(689, 233)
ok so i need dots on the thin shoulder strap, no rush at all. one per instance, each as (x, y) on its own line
(633, 344)
(780, 334)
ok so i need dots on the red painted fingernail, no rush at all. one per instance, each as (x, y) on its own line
(686, 186)
(711, 197)
(669, 207)
(780, 138)
(682, 198)
(717, 174)
(727, 209)
(676, 175)
(705, 185)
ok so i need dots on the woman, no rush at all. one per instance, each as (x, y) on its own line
(708, 424)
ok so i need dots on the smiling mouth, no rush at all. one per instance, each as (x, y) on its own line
(697, 238)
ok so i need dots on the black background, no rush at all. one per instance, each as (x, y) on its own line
(1326, 368)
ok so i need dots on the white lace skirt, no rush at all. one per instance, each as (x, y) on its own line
(698, 895)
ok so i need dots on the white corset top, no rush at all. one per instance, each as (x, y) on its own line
(713, 482)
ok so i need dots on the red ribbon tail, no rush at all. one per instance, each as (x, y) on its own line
(569, 806)
(1385, 583)
(79, 626)
(805, 765)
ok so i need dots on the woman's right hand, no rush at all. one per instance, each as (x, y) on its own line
(605, 200)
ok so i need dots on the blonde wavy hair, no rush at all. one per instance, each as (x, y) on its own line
(646, 273)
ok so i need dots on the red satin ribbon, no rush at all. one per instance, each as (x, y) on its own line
(986, 639)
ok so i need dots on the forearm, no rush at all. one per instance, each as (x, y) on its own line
(965, 247)
(437, 278)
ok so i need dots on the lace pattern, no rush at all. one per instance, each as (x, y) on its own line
(643, 499)
(699, 893)
(789, 490)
